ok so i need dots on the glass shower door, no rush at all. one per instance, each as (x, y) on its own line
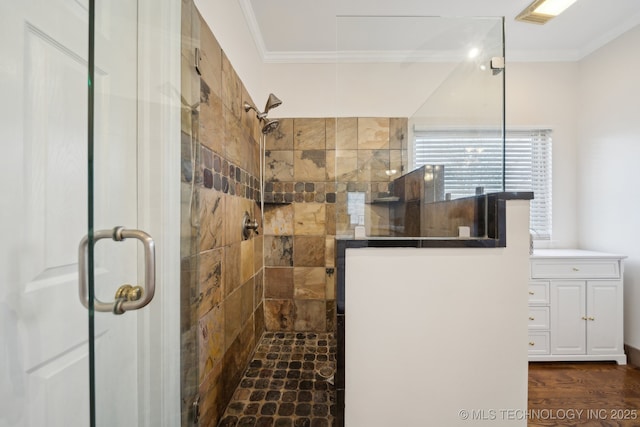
(119, 258)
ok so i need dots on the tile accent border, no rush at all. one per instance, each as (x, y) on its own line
(319, 192)
(222, 175)
(299, 192)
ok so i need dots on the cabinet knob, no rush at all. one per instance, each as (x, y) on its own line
(584, 317)
(531, 293)
(575, 269)
(531, 343)
(531, 318)
(590, 318)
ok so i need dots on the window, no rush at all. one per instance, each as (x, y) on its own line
(473, 158)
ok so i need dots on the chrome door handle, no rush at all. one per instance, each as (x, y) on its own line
(122, 304)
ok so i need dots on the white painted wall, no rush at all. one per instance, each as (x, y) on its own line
(354, 90)
(423, 342)
(608, 155)
(545, 94)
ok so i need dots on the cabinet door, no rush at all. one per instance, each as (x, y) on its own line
(568, 317)
(604, 317)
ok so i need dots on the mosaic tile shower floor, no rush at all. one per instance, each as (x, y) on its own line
(286, 383)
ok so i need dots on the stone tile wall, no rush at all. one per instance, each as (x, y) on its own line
(222, 315)
(311, 166)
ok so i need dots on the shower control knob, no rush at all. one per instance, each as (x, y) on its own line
(249, 225)
(253, 225)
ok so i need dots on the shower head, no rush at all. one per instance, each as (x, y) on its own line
(270, 126)
(272, 102)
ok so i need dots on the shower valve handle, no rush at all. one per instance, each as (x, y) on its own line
(253, 225)
(249, 225)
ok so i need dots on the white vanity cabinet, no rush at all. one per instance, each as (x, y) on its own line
(582, 293)
(539, 317)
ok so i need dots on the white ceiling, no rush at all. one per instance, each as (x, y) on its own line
(305, 30)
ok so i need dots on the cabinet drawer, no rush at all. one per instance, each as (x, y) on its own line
(538, 292)
(538, 342)
(538, 318)
(575, 269)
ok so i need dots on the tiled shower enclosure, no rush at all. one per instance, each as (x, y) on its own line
(283, 279)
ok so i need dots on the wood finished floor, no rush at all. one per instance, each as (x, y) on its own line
(583, 394)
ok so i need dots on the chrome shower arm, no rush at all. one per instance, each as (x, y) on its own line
(259, 115)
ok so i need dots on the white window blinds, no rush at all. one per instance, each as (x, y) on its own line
(473, 158)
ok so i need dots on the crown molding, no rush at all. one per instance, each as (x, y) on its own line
(325, 57)
(369, 56)
(254, 28)
(556, 55)
(354, 57)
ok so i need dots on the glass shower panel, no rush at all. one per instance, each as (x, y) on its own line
(190, 220)
(460, 126)
(398, 75)
(128, 51)
(113, 201)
